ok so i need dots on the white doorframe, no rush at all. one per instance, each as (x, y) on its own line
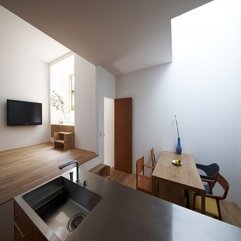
(109, 131)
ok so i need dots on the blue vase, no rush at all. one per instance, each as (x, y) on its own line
(179, 147)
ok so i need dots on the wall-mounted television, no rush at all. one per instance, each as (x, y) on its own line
(21, 113)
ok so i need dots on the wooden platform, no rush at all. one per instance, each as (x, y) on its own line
(24, 168)
(101, 170)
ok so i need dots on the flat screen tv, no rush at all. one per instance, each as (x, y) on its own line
(21, 113)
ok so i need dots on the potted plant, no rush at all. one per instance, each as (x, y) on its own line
(57, 103)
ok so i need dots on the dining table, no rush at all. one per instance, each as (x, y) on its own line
(175, 177)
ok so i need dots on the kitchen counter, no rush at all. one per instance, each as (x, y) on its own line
(124, 214)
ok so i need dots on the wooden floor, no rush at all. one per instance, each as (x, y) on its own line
(24, 168)
(124, 178)
(230, 211)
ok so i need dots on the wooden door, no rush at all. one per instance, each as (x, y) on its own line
(123, 134)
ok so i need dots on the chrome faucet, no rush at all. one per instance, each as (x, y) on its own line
(71, 163)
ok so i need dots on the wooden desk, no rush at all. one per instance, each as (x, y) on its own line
(170, 181)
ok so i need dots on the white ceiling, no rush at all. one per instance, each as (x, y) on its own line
(120, 35)
(26, 39)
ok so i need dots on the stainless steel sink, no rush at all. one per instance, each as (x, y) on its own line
(62, 204)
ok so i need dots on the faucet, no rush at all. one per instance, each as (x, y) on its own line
(70, 163)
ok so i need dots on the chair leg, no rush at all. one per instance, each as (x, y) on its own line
(219, 210)
(194, 202)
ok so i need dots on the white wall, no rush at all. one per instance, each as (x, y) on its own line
(105, 82)
(202, 87)
(92, 84)
(85, 105)
(23, 77)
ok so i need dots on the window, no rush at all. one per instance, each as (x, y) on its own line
(62, 90)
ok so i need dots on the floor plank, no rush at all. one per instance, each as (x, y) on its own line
(231, 213)
(126, 179)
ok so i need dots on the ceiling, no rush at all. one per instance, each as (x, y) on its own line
(19, 37)
(122, 36)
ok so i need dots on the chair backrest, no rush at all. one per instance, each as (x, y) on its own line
(211, 171)
(153, 157)
(140, 165)
(224, 184)
(143, 183)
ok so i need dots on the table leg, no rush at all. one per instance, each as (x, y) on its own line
(155, 185)
(203, 202)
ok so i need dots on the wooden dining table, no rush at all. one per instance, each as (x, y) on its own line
(174, 182)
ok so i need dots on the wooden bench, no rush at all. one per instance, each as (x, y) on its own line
(101, 170)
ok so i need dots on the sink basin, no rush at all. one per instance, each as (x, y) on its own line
(62, 204)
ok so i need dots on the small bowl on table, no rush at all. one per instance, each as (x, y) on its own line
(177, 162)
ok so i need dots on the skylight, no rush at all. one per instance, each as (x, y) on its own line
(203, 27)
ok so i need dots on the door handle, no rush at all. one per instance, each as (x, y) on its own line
(19, 230)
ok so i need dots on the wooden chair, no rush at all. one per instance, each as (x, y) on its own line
(209, 176)
(153, 157)
(143, 183)
(212, 202)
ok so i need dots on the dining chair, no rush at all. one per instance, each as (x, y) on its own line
(208, 175)
(143, 182)
(153, 157)
(212, 202)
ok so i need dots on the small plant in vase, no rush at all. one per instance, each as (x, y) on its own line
(57, 103)
(178, 147)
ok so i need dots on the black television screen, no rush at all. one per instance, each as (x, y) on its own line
(21, 113)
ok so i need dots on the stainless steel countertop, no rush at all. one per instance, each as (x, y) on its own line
(124, 214)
